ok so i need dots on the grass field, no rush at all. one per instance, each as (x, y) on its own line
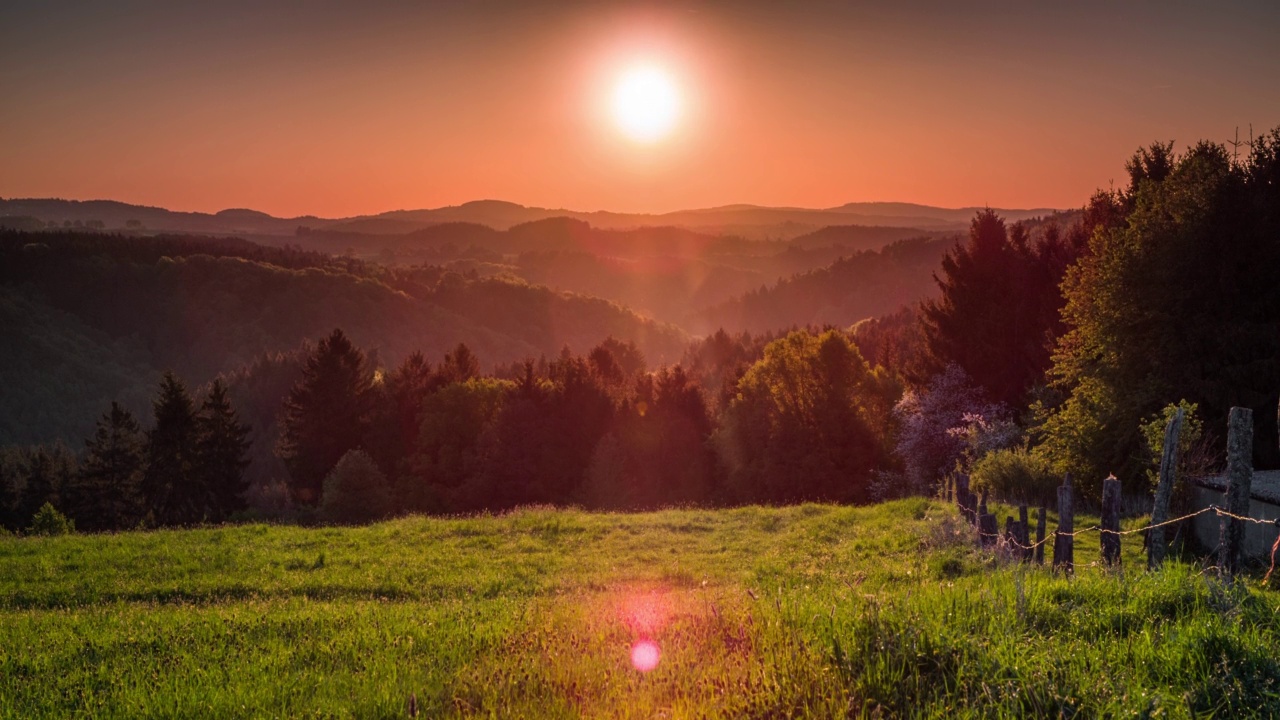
(808, 611)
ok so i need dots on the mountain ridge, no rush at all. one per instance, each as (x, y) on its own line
(745, 220)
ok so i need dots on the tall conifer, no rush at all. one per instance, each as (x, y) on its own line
(221, 451)
(325, 415)
(108, 489)
(175, 493)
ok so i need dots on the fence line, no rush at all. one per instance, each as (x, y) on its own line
(1010, 540)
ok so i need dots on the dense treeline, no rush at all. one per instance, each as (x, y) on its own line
(801, 417)
(186, 468)
(598, 430)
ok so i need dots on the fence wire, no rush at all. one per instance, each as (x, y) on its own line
(1101, 530)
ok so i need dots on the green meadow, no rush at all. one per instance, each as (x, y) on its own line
(807, 611)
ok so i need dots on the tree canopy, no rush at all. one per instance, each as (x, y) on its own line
(1176, 300)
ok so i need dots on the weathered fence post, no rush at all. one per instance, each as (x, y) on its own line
(1110, 520)
(1042, 520)
(1157, 540)
(1239, 480)
(1063, 542)
(1010, 533)
(1024, 533)
(987, 529)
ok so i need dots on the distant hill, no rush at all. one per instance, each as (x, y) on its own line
(856, 237)
(862, 285)
(102, 315)
(749, 221)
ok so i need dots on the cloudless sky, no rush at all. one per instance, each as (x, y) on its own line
(338, 109)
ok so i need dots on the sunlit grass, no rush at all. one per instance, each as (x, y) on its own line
(808, 611)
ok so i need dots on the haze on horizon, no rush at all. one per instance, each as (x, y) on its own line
(328, 109)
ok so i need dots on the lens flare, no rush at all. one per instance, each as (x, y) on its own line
(645, 656)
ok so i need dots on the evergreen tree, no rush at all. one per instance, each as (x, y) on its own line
(326, 414)
(175, 493)
(221, 452)
(997, 314)
(398, 400)
(460, 365)
(108, 488)
(46, 472)
(10, 471)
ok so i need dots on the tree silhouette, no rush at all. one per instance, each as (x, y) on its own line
(9, 473)
(221, 451)
(47, 473)
(997, 315)
(108, 488)
(174, 490)
(326, 414)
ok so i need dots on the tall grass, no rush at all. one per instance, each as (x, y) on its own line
(807, 611)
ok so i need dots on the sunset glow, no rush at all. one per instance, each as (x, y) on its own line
(350, 109)
(646, 104)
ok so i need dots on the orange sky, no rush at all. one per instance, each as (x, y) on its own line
(323, 108)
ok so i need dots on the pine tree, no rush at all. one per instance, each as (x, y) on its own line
(990, 316)
(174, 492)
(108, 489)
(397, 409)
(221, 453)
(460, 365)
(325, 415)
(47, 472)
(10, 466)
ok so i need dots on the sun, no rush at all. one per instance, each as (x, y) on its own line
(646, 103)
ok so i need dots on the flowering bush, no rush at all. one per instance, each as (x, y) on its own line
(945, 424)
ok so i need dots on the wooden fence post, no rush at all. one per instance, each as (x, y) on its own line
(1239, 480)
(1063, 542)
(1024, 533)
(1157, 540)
(1110, 520)
(1042, 520)
(987, 529)
(982, 503)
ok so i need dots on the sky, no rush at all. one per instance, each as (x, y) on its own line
(338, 109)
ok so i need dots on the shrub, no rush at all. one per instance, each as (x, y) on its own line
(1016, 474)
(937, 425)
(355, 491)
(1195, 455)
(48, 521)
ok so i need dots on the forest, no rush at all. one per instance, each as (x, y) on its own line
(176, 380)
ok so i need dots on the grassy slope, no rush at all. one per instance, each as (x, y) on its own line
(805, 611)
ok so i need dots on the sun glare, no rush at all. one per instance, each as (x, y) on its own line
(646, 104)
(645, 655)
